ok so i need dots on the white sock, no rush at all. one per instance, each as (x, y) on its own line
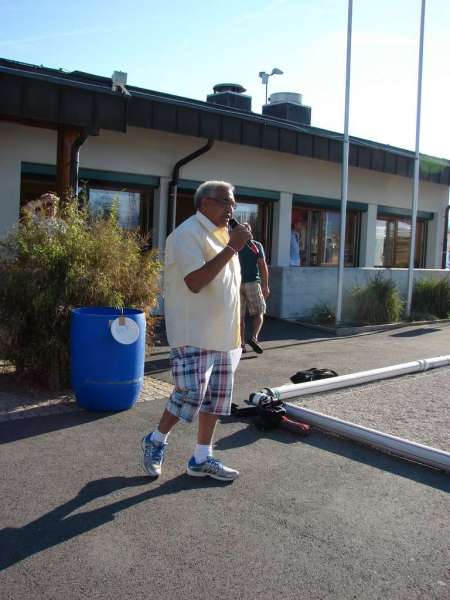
(157, 436)
(202, 452)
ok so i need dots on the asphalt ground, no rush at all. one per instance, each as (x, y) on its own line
(289, 348)
(316, 517)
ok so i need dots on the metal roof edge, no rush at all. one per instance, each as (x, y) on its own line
(69, 78)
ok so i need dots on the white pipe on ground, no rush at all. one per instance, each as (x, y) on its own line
(294, 390)
(389, 443)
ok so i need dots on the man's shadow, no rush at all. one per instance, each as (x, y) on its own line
(57, 526)
(251, 433)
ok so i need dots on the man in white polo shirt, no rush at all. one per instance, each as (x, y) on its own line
(201, 303)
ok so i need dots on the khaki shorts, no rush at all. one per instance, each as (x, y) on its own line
(252, 299)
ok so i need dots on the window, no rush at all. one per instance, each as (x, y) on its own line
(31, 187)
(128, 203)
(315, 236)
(135, 203)
(254, 211)
(393, 235)
(258, 214)
(185, 207)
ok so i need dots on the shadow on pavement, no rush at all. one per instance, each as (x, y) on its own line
(348, 449)
(251, 434)
(57, 526)
(379, 460)
(287, 335)
(416, 332)
(12, 431)
(156, 366)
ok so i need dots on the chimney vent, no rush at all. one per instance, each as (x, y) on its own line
(288, 106)
(230, 95)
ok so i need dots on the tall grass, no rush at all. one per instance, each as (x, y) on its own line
(379, 301)
(49, 266)
(431, 298)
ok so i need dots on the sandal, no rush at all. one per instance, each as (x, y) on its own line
(254, 344)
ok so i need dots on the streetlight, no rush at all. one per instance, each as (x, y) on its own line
(265, 77)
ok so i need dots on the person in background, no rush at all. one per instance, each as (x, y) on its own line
(44, 208)
(295, 260)
(202, 279)
(254, 290)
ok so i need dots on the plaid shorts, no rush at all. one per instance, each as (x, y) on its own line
(203, 381)
(252, 299)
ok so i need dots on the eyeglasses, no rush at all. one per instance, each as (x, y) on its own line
(227, 202)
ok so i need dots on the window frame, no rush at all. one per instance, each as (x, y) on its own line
(322, 210)
(421, 242)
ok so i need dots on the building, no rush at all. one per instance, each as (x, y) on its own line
(150, 150)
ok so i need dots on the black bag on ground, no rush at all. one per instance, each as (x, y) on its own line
(270, 416)
(269, 413)
(312, 375)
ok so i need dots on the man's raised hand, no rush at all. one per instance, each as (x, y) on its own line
(239, 236)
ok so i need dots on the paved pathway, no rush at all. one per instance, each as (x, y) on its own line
(319, 518)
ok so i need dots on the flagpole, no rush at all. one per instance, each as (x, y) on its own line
(344, 176)
(415, 199)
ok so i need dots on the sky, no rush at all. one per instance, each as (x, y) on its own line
(185, 47)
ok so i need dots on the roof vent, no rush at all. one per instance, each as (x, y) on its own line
(280, 97)
(230, 95)
(288, 106)
(119, 80)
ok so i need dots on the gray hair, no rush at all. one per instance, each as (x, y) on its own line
(209, 189)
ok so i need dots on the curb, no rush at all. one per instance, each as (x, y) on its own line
(344, 331)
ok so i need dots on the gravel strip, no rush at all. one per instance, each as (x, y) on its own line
(415, 407)
(14, 406)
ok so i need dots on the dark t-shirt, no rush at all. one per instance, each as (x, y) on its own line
(249, 263)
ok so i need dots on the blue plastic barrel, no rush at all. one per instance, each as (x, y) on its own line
(106, 374)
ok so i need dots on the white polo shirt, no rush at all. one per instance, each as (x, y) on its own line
(209, 319)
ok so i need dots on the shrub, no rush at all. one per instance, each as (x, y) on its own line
(431, 298)
(48, 266)
(323, 313)
(379, 301)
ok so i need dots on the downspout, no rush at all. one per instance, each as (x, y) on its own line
(445, 241)
(75, 160)
(173, 185)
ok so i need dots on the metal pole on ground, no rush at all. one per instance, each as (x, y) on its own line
(295, 390)
(415, 199)
(427, 455)
(344, 177)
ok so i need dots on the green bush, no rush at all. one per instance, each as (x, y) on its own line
(431, 298)
(323, 313)
(379, 301)
(48, 266)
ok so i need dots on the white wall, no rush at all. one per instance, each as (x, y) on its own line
(295, 291)
(18, 144)
(150, 152)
